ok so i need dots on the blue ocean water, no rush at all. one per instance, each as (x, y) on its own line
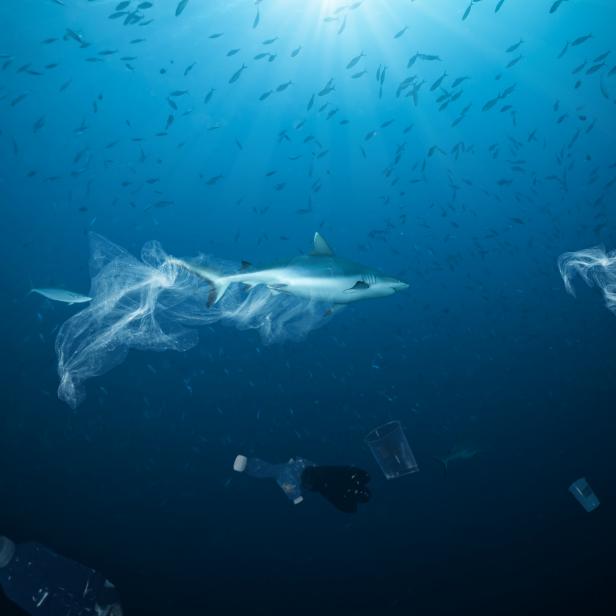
(467, 189)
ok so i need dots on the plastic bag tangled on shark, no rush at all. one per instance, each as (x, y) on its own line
(154, 304)
(596, 267)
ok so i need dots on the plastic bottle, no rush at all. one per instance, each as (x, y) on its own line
(44, 583)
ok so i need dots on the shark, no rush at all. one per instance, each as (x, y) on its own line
(319, 276)
(457, 453)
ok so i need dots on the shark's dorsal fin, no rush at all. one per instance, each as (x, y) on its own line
(321, 247)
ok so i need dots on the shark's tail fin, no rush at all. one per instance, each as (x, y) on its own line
(219, 284)
(444, 463)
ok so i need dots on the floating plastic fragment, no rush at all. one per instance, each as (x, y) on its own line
(44, 583)
(391, 449)
(584, 494)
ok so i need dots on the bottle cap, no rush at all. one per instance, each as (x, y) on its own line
(240, 464)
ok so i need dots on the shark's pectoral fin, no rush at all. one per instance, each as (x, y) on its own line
(359, 286)
(335, 309)
(245, 265)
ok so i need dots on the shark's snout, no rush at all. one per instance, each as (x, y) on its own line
(398, 285)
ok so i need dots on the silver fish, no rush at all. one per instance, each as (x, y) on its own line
(62, 295)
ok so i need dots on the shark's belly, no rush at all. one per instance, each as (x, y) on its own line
(328, 289)
(321, 289)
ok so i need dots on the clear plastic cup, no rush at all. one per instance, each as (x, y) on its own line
(584, 494)
(391, 450)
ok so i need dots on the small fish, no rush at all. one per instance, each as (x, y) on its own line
(269, 41)
(438, 82)
(507, 91)
(38, 124)
(602, 56)
(256, 20)
(342, 26)
(215, 35)
(457, 453)
(563, 51)
(237, 74)
(118, 15)
(514, 61)
(329, 87)
(62, 295)
(579, 68)
(296, 51)
(160, 204)
(490, 104)
(71, 34)
(458, 81)
(467, 12)
(580, 40)
(555, 6)
(513, 47)
(18, 99)
(265, 95)
(401, 32)
(283, 86)
(180, 7)
(214, 179)
(355, 60)
(595, 68)
(499, 5)
(232, 52)
(383, 73)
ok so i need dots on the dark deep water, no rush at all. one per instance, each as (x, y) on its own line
(486, 348)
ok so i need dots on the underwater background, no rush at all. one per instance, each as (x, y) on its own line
(147, 128)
